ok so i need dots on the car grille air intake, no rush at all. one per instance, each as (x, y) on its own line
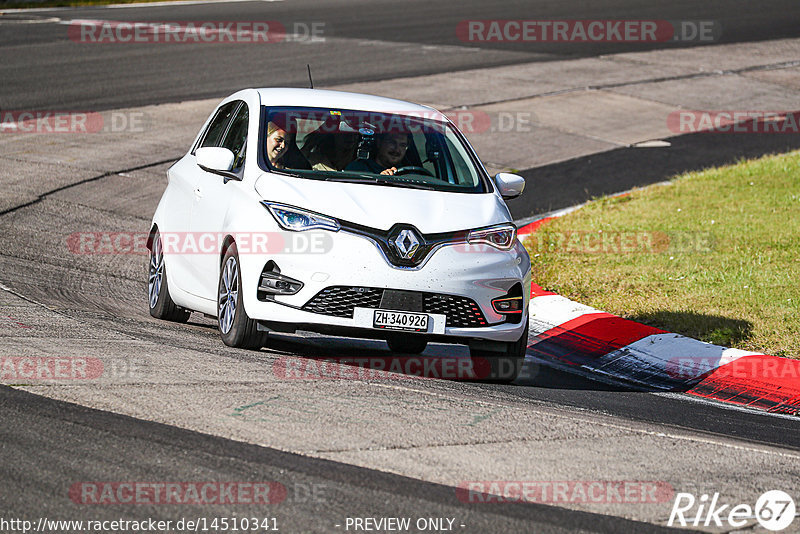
(460, 311)
(340, 301)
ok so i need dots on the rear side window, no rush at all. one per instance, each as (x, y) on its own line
(218, 126)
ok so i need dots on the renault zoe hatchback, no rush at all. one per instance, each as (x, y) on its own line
(345, 214)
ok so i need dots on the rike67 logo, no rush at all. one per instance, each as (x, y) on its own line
(774, 510)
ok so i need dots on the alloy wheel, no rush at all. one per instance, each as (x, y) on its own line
(228, 294)
(156, 274)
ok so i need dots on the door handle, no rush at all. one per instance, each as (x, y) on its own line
(198, 193)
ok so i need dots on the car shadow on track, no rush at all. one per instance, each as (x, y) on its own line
(538, 374)
(315, 356)
(714, 329)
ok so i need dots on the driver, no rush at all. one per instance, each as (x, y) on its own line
(391, 149)
(277, 143)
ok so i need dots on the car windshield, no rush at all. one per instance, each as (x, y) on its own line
(419, 151)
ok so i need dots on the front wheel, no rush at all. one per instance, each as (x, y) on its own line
(506, 366)
(406, 343)
(235, 327)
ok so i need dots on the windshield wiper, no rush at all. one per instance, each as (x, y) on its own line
(375, 180)
(412, 185)
(362, 178)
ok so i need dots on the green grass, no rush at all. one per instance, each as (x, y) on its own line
(68, 3)
(714, 255)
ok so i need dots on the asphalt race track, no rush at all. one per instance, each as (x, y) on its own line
(149, 446)
(42, 68)
(184, 407)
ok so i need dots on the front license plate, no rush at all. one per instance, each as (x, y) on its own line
(398, 320)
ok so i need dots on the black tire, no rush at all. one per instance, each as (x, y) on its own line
(506, 366)
(406, 343)
(235, 327)
(161, 304)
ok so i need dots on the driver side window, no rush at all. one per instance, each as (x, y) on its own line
(236, 138)
(218, 126)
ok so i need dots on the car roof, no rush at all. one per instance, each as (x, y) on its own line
(286, 96)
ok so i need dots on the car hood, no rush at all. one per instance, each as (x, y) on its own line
(382, 207)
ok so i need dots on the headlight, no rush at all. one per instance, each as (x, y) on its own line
(501, 236)
(298, 220)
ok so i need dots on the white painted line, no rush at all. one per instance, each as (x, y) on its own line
(180, 3)
(674, 435)
(48, 20)
(657, 143)
(128, 6)
(723, 405)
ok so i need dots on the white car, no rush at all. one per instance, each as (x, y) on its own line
(345, 214)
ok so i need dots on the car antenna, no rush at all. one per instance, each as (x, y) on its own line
(310, 81)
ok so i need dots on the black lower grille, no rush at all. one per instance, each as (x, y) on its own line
(460, 311)
(340, 301)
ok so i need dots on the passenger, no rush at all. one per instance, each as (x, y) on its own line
(329, 151)
(391, 149)
(278, 141)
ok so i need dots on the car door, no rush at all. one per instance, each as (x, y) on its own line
(184, 177)
(213, 195)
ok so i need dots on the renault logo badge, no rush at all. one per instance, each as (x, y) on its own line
(406, 243)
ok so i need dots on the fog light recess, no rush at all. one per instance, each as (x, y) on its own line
(274, 283)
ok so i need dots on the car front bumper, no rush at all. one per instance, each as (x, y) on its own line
(477, 272)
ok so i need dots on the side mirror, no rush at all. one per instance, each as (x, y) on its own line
(509, 185)
(214, 159)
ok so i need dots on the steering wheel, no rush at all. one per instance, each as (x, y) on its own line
(413, 169)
